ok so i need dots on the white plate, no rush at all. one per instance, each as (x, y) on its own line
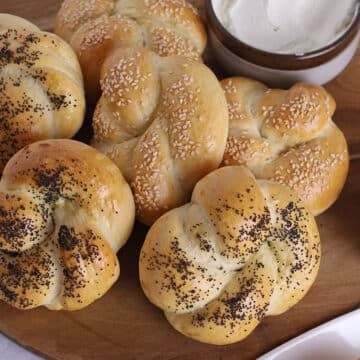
(338, 339)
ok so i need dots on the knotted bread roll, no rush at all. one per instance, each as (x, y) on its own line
(41, 89)
(288, 137)
(164, 122)
(242, 249)
(95, 28)
(65, 210)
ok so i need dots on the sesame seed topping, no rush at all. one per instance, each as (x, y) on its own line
(156, 105)
(169, 27)
(309, 169)
(289, 133)
(122, 79)
(75, 12)
(167, 43)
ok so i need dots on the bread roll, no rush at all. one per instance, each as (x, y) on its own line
(98, 27)
(41, 89)
(288, 137)
(164, 122)
(65, 210)
(242, 249)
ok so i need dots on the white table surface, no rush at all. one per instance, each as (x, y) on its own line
(11, 351)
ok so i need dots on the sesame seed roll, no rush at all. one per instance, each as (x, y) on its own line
(95, 28)
(164, 122)
(288, 137)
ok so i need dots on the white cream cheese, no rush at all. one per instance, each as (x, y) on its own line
(286, 26)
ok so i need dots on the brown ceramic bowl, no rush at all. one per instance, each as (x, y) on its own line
(319, 66)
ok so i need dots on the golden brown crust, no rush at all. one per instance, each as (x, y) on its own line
(238, 310)
(41, 90)
(163, 121)
(8, 21)
(96, 28)
(287, 137)
(65, 210)
(241, 250)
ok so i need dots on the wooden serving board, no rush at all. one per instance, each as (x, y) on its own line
(124, 325)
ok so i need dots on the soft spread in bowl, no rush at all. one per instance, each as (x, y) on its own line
(286, 26)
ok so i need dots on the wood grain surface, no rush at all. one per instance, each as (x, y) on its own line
(124, 325)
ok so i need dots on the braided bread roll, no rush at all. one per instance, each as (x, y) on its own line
(164, 122)
(41, 89)
(65, 210)
(96, 28)
(288, 137)
(242, 249)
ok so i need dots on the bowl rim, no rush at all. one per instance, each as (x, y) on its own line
(281, 61)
